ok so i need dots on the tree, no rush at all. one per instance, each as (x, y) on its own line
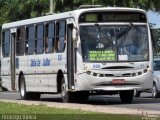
(13, 10)
(144, 4)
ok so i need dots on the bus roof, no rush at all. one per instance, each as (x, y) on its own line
(64, 15)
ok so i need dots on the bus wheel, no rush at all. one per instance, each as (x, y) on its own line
(66, 95)
(82, 95)
(137, 93)
(22, 88)
(126, 96)
(24, 94)
(35, 95)
(155, 92)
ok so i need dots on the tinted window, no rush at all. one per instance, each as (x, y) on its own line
(20, 41)
(157, 65)
(51, 30)
(6, 43)
(40, 32)
(30, 40)
(49, 38)
(114, 43)
(61, 39)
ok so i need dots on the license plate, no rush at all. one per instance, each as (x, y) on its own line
(118, 81)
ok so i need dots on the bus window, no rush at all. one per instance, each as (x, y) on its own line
(61, 36)
(39, 38)
(20, 41)
(30, 40)
(46, 38)
(6, 43)
(49, 38)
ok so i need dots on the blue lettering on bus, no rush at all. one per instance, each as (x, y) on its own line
(96, 66)
(59, 57)
(17, 63)
(35, 63)
(38, 63)
(46, 62)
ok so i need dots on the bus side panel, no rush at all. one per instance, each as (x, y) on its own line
(41, 75)
(21, 68)
(6, 82)
(52, 82)
(57, 63)
(41, 83)
(31, 83)
(31, 76)
(5, 72)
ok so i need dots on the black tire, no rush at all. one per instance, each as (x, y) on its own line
(126, 96)
(137, 93)
(35, 95)
(22, 88)
(24, 94)
(82, 95)
(155, 92)
(66, 95)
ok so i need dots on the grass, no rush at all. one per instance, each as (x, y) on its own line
(13, 111)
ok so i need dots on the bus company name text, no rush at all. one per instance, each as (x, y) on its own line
(38, 62)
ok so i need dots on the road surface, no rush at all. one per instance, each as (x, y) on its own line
(145, 102)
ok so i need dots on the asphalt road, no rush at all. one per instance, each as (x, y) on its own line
(145, 102)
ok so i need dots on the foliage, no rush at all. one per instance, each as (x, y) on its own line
(13, 10)
(144, 4)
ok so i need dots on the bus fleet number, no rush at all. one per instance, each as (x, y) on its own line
(96, 66)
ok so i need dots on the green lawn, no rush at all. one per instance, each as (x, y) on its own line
(13, 111)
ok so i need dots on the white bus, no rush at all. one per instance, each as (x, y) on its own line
(78, 53)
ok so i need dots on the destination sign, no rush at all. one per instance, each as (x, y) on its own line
(113, 17)
(91, 17)
(121, 17)
(106, 55)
